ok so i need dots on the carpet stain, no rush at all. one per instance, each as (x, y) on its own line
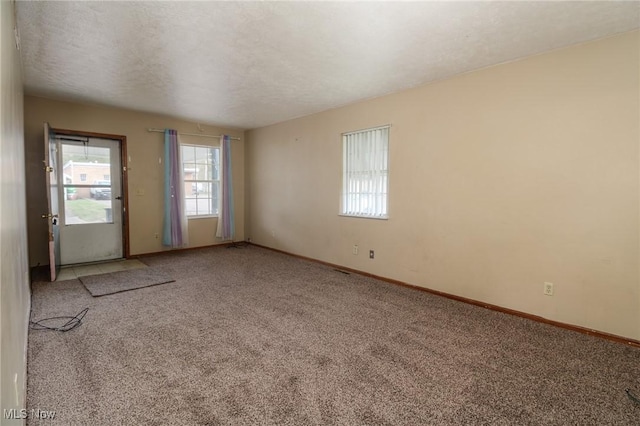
(323, 361)
(200, 409)
(385, 354)
(234, 406)
(368, 417)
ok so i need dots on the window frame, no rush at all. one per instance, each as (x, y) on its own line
(213, 181)
(384, 192)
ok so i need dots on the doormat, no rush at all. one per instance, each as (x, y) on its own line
(117, 282)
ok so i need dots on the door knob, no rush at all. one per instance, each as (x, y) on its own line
(118, 198)
(48, 215)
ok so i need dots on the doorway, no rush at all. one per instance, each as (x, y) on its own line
(91, 197)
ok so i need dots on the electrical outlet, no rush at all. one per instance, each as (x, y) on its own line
(371, 254)
(548, 289)
(355, 249)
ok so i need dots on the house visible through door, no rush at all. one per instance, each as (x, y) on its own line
(91, 199)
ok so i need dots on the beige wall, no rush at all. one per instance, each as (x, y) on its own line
(145, 172)
(14, 270)
(500, 180)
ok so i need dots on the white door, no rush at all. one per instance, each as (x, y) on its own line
(91, 172)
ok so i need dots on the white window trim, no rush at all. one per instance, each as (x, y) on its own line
(385, 217)
(213, 181)
(203, 216)
(343, 182)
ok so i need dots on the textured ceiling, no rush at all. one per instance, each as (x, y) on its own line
(249, 64)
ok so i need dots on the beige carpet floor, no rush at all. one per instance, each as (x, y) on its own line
(250, 336)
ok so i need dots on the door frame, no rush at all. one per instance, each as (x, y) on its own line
(123, 173)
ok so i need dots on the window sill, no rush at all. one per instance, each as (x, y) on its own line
(202, 217)
(364, 217)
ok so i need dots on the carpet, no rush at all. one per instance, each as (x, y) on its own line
(117, 282)
(250, 336)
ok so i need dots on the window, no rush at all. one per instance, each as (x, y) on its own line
(201, 171)
(365, 176)
(106, 177)
(92, 202)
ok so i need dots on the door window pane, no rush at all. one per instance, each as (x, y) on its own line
(87, 184)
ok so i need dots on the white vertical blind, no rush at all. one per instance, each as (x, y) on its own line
(366, 172)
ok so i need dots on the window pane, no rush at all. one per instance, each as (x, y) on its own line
(188, 153)
(87, 165)
(199, 185)
(205, 189)
(202, 155)
(215, 173)
(204, 206)
(191, 206)
(78, 210)
(214, 196)
(190, 171)
(190, 189)
(365, 173)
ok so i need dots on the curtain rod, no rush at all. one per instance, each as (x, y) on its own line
(190, 134)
